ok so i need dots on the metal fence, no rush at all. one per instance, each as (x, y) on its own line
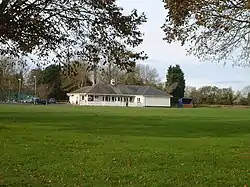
(14, 96)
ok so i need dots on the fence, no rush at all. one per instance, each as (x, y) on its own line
(14, 96)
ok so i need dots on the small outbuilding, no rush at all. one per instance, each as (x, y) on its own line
(187, 102)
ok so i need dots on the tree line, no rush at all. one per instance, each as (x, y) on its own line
(100, 33)
(212, 95)
(55, 80)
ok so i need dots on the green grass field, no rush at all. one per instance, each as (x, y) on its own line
(92, 146)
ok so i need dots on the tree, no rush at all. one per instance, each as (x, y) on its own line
(248, 99)
(78, 77)
(244, 96)
(147, 74)
(245, 91)
(243, 101)
(33, 76)
(140, 74)
(212, 95)
(55, 80)
(192, 92)
(215, 30)
(51, 82)
(175, 81)
(64, 29)
(10, 71)
(207, 95)
(43, 91)
(161, 86)
(228, 96)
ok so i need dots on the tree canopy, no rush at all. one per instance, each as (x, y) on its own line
(140, 74)
(175, 82)
(10, 72)
(212, 95)
(79, 77)
(214, 30)
(65, 28)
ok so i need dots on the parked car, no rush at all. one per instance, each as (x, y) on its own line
(33, 100)
(52, 101)
(41, 101)
(37, 101)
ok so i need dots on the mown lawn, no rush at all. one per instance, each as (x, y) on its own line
(91, 146)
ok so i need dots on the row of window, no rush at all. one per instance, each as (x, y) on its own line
(112, 98)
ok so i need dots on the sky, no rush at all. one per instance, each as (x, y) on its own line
(162, 55)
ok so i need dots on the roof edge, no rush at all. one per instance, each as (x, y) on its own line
(143, 94)
(167, 95)
(146, 90)
(162, 91)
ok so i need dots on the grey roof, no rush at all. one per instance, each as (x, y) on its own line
(85, 89)
(120, 89)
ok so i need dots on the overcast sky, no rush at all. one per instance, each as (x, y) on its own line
(161, 54)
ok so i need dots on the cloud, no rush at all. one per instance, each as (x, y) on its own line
(230, 82)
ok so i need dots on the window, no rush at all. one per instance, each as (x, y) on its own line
(90, 98)
(113, 99)
(118, 98)
(96, 96)
(103, 98)
(130, 99)
(138, 100)
(82, 97)
(107, 98)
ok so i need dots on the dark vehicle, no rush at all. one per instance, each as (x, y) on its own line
(38, 101)
(41, 101)
(52, 101)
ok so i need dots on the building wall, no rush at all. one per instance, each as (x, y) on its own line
(118, 104)
(139, 101)
(74, 99)
(157, 101)
(112, 100)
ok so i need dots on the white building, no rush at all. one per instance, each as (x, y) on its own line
(119, 95)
